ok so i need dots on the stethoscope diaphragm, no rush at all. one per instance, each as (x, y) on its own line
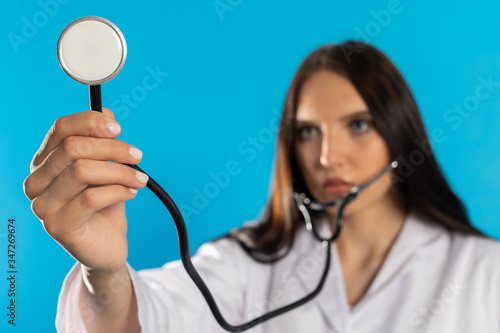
(91, 50)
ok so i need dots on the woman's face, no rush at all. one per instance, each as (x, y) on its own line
(337, 146)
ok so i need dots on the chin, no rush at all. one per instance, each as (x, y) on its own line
(349, 210)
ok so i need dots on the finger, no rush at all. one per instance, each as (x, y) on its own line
(82, 173)
(72, 149)
(108, 113)
(72, 217)
(88, 123)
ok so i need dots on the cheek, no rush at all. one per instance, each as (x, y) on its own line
(308, 153)
(375, 153)
(374, 158)
(307, 160)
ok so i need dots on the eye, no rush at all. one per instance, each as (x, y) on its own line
(307, 132)
(360, 126)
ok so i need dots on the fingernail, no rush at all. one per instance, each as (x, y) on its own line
(142, 177)
(136, 153)
(133, 190)
(114, 128)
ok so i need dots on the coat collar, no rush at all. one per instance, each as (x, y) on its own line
(415, 234)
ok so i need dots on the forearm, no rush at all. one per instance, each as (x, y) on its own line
(108, 302)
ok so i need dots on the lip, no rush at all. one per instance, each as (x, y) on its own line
(337, 185)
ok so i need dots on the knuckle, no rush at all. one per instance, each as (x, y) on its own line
(57, 166)
(120, 150)
(79, 170)
(27, 187)
(33, 163)
(50, 228)
(53, 228)
(58, 126)
(37, 208)
(69, 146)
(97, 123)
(88, 199)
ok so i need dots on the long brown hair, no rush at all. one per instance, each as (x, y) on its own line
(396, 117)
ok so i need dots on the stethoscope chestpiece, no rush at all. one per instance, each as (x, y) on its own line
(91, 50)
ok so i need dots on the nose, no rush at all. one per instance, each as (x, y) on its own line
(333, 150)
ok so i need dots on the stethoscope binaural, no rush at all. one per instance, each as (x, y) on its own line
(303, 201)
(92, 51)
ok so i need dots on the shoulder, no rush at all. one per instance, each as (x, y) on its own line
(474, 264)
(456, 250)
(467, 245)
(479, 250)
(221, 248)
(221, 258)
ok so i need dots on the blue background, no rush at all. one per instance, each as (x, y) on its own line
(227, 72)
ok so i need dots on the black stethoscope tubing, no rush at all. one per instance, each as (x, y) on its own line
(301, 200)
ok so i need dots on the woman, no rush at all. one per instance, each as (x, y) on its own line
(407, 259)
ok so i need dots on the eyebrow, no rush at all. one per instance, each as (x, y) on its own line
(356, 114)
(347, 116)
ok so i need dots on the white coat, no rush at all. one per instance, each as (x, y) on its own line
(432, 281)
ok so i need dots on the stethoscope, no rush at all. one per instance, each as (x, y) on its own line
(303, 202)
(92, 51)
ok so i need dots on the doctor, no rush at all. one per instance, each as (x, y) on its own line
(407, 259)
